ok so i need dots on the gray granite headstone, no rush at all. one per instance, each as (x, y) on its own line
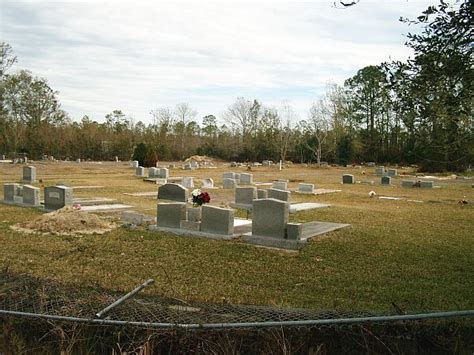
(294, 231)
(385, 180)
(216, 220)
(392, 172)
(170, 214)
(153, 172)
(174, 192)
(348, 179)
(306, 188)
(31, 195)
(229, 183)
(10, 191)
(379, 170)
(228, 175)
(56, 197)
(280, 185)
(140, 171)
(188, 182)
(135, 164)
(164, 173)
(426, 184)
(207, 183)
(246, 179)
(281, 195)
(269, 218)
(245, 195)
(262, 193)
(29, 174)
(407, 183)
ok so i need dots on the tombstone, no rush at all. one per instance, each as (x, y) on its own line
(207, 183)
(266, 162)
(56, 197)
(229, 183)
(379, 170)
(385, 180)
(135, 164)
(426, 184)
(216, 220)
(392, 172)
(164, 173)
(78, 160)
(281, 195)
(371, 164)
(245, 195)
(29, 174)
(140, 171)
(407, 183)
(348, 179)
(237, 177)
(280, 185)
(3, 157)
(269, 218)
(324, 164)
(153, 172)
(31, 195)
(228, 176)
(10, 191)
(294, 231)
(187, 182)
(25, 160)
(306, 188)
(174, 192)
(262, 193)
(116, 159)
(246, 179)
(170, 214)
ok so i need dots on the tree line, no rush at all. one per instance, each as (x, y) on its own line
(413, 112)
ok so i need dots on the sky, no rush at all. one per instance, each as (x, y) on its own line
(138, 56)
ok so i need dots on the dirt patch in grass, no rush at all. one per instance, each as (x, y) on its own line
(66, 221)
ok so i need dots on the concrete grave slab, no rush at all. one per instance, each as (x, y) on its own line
(305, 206)
(105, 208)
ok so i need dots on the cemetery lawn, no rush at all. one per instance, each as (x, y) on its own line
(417, 256)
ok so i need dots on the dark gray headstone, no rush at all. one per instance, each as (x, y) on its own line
(281, 195)
(385, 180)
(262, 193)
(56, 197)
(348, 179)
(174, 192)
(29, 174)
(170, 214)
(269, 218)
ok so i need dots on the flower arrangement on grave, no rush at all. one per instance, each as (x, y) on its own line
(199, 197)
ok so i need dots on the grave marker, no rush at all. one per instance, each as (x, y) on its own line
(269, 218)
(306, 188)
(174, 192)
(31, 195)
(281, 195)
(216, 220)
(56, 197)
(245, 195)
(170, 214)
(29, 174)
(348, 179)
(246, 179)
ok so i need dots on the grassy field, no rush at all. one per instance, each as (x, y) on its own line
(418, 256)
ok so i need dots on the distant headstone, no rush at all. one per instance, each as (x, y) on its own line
(245, 195)
(392, 172)
(229, 175)
(164, 173)
(207, 183)
(56, 197)
(262, 193)
(281, 195)
(385, 180)
(266, 162)
(153, 172)
(269, 218)
(407, 183)
(29, 174)
(170, 214)
(229, 183)
(10, 191)
(216, 220)
(135, 164)
(140, 171)
(426, 184)
(78, 160)
(371, 164)
(187, 182)
(306, 188)
(174, 192)
(246, 179)
(380, 170)
(348, 179)
(31, 195)
(3, 157)
(116, 159)
(323, 164)
(280, 185)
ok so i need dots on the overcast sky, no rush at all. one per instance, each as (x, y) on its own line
(137, 56)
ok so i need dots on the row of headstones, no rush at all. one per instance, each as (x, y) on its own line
(162, 173)
(247, 195)
(380, 170)
(55, 197)
(386, 180)
(231, 180)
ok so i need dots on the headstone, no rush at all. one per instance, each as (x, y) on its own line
(207, 183)
(306, 188)
(216, 220)
(262, 193)
(281, 195)
(29, 174)
(174, 192)
(246, 179)
(153, 172)
(56, 197)
(187, 182)
(280, 185)
(193, 214)
(371, 164)
(392, 172)
(245, 195)
(380, 170)
(170, 214)
(266, 162)
(229, 183)
(25, 160)
(31, 195)
(228, 176)
(164, 173)
(269, 218)
(140, 171)
(237, 177)
(385, 180)
(294, 231)
(426, 184)
(324, 164)
(78, 160)
(348, 179)
(10, 191)
(116, 159)
(407, 183)
(3, 157)
(19, 191)
(135, 164)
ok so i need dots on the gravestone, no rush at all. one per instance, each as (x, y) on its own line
(164, 173)
(262, 193)
(31, 195)
(216, 220)
(56, 197)
(229, 183)
(426, 184)
(306, 188)
(3, 157)
(348, 179)
(245, 195)
(281, 195)
(280, 185)
(170, 214)
(392, 172)
(294, 231)
(207, 183)
(78, 160)
(246, 179)
(29, 174)
(407, 183)
(228, 176)
(371, 164)
(237, 177)
(187, 182)
(153, 172)
(385, 180)
(10, 191)
(380, 170)
(174, 192)
(135, 164)
(140, 171)
(269, 218)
